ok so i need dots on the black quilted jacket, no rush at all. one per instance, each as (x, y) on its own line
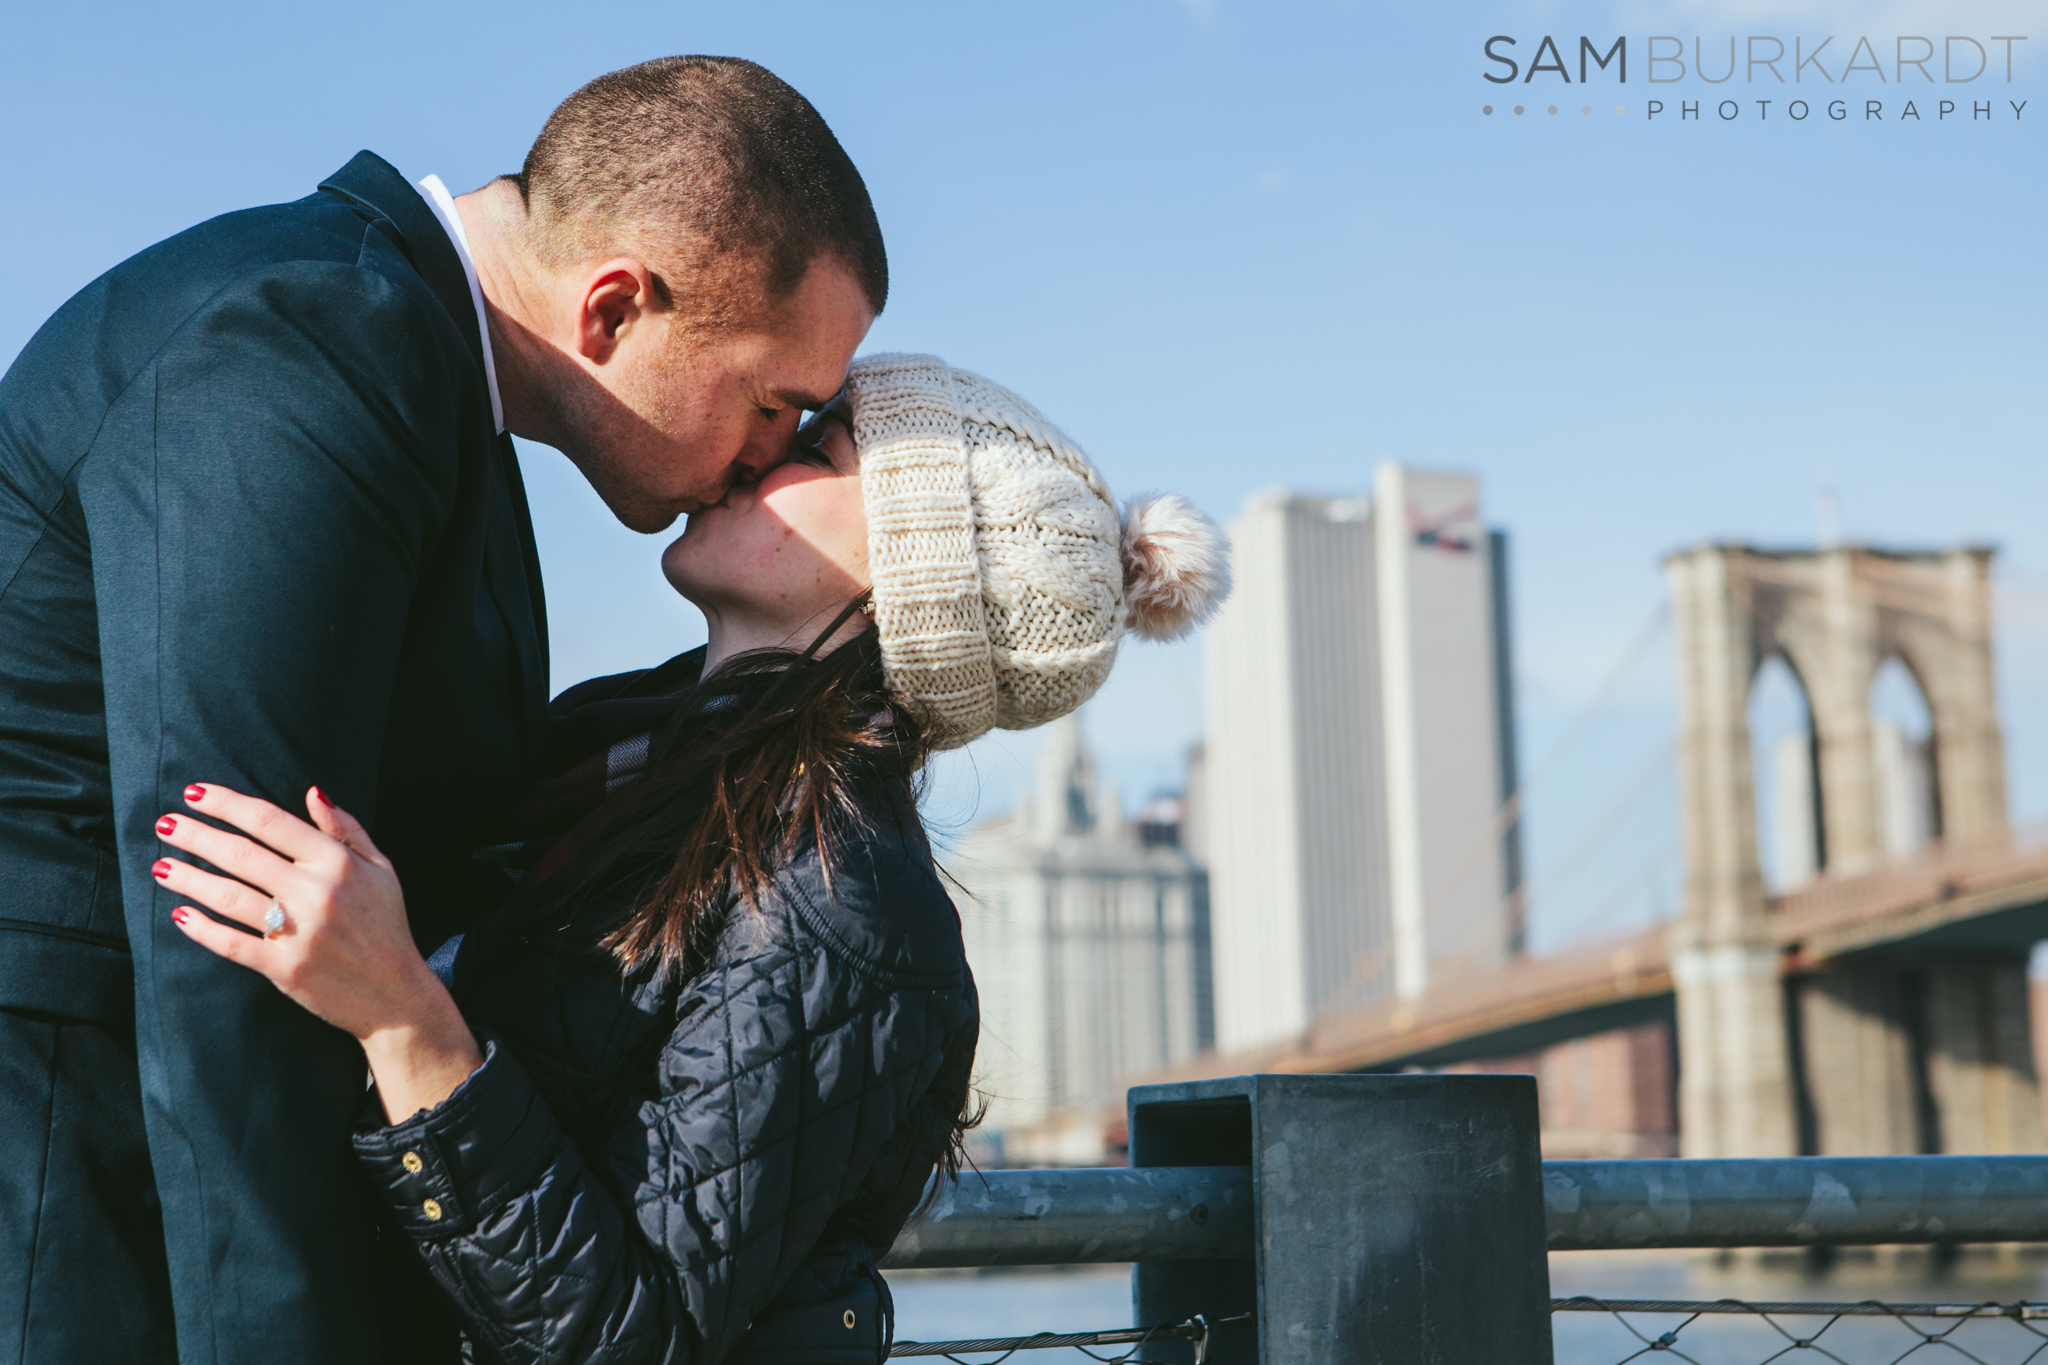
(643, 1173)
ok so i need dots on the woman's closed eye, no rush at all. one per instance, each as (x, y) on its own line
(825, 443)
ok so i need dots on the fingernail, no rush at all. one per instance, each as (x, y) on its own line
(195, 792)
(167, 825)
(325, 799)
(180, 915)
(162, 869)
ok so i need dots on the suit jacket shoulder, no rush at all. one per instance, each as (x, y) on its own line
(108, 333)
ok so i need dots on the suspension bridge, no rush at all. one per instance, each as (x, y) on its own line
(1880, 1008)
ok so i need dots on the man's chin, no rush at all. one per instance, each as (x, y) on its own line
(650, 519)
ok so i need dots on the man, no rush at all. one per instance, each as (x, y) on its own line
(261, 525)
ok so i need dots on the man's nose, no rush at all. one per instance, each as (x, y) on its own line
(758, 459)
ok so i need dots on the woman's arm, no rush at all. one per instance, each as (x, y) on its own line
(785, 1078)
(787, 1074)
(345, 951)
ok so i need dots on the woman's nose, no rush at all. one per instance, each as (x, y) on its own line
(744, 489)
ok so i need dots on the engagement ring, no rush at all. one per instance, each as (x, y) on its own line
(273, 918)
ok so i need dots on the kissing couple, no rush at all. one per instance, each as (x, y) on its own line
(357, 1002)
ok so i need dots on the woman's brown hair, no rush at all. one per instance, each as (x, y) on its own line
(774, 750)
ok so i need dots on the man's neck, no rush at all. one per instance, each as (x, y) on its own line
(516, 295)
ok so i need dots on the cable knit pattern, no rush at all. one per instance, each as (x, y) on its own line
(994, 547)
(921, 550)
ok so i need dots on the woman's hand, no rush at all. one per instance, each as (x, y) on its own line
(345, 949)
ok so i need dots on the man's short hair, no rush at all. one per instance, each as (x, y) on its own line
(683, 158)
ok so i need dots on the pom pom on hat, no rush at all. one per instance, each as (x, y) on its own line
(1176, 566)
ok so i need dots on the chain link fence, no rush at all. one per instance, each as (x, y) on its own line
(1699, 1332)
(1740, 1332)
(1198, 1330)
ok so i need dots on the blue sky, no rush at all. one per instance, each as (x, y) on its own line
(1231, 246)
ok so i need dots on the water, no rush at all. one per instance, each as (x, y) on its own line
(943, 1306)
(939, 1305)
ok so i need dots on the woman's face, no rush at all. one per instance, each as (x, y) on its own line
(791, 550)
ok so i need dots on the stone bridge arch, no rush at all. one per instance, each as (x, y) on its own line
(1835, 614)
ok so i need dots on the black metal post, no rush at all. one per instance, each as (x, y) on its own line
(1396, 1218)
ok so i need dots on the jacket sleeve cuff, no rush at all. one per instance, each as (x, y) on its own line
(448, 1168)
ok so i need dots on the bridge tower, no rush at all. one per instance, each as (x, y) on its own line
(1841, 1060)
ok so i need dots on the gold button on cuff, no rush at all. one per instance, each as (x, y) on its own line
(411, 1161)
(848, 1319)
(432, 1208)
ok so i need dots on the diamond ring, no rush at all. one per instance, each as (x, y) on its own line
(273, 919)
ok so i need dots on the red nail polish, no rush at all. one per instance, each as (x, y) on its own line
(195, 792)
(180, 915)
(167, 825)
(161, 870)
(325, 799)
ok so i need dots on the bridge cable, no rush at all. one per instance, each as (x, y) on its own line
(1510, 811)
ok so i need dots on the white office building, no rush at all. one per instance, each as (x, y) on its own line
(1360, 747)
(1089, 939)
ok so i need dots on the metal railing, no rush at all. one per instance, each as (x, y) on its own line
(1193, 1213)
(1077, 1217)
(1424, 1197)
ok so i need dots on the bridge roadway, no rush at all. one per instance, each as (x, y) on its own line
(1988, 899)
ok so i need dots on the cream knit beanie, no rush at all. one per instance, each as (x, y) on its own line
(1003, 578)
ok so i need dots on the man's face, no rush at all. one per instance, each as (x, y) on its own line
(678, 418)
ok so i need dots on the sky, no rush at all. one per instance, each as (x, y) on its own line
(1229, 247)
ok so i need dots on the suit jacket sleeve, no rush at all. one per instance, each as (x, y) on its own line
(260, 505)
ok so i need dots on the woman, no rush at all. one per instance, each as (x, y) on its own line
(694, 1076)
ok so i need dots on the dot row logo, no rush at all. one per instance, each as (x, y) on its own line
(1583, 109)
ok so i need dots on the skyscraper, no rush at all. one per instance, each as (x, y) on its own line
(1360, 749)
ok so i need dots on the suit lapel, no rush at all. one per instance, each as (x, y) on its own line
(512, 567)
(511, 559)
(529, 552)
(372, 182)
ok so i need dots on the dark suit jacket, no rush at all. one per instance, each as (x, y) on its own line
(256, 528)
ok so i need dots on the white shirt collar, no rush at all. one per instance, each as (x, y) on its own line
(443, 204)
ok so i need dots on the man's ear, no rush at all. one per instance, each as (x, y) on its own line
(618, 296)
